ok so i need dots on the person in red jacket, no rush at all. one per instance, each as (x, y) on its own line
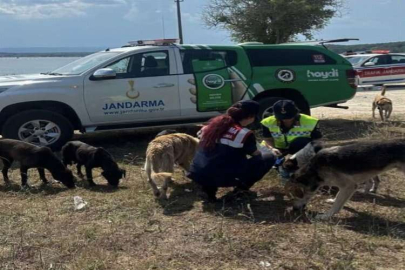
(222, 158)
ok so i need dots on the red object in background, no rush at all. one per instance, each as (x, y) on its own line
(380, 51)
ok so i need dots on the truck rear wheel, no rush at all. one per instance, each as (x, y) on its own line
(39, 127)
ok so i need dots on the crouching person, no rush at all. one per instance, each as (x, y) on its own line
(288, 131)
(225, 144)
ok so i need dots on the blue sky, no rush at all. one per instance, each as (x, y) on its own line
(109, 23)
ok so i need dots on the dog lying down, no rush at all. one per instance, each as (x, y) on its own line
(163, 153)
(32, 156)
(345, 167)
(293, 162)
(82, 154)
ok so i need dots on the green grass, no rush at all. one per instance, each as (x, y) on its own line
(128, 229)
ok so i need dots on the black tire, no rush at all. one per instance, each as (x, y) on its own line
(268, 102)
(63, 127)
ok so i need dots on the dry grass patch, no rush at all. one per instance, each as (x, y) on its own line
(126, 228)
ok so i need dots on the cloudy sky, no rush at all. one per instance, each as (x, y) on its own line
(109, 23)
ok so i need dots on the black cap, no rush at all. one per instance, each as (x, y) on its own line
(285, 109)
(251, 107)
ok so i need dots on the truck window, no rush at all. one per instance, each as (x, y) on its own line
(288, 57)
(121, 66)
(142, 65)
(151, 64)
(187, 57)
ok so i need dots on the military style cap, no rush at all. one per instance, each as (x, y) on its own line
(285, 109)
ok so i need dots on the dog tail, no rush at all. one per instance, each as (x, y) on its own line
(384, 88)
(153, 177)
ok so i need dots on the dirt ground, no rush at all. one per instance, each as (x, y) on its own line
(360, 106)
(126, 228)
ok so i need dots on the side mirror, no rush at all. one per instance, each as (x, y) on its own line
(103, 74)
(369, 64)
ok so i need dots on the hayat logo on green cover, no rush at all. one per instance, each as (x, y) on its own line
(213, 81)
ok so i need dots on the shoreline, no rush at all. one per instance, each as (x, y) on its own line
(27, 55)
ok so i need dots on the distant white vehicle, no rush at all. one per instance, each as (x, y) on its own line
(378, 68)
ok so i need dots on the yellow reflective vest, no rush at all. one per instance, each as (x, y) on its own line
(282, 141)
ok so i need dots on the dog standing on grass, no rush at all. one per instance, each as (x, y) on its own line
(32, 156)
(345, 167)
(293, 162)
(82, 154)
(163, 153)
(383, 104)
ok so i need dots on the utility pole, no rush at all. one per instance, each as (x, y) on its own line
(179, 20)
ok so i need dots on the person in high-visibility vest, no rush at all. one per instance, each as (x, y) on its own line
(288, 131)
(227, 155)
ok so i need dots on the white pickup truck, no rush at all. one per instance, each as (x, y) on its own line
(118, 88)
(162, 83)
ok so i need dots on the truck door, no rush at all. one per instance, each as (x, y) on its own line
(145, 89)
(211, 78)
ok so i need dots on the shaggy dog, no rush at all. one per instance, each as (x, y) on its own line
(76, 152)
(383, 104)
(32, 156)
(346, 167)
(163, 153)
(293, 162)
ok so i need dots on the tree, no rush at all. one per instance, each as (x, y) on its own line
(270, 21)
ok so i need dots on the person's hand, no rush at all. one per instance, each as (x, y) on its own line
(276, 152)
(192, 90)
(239, 87)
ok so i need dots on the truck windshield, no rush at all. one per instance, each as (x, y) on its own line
(83, 64)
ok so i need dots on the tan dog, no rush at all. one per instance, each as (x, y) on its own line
(383, 104)
(161, 156)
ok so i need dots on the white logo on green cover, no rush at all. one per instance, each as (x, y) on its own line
(213, 81)
(285, 75)
(323, 74)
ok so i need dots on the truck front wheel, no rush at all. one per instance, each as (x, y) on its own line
(39, 127)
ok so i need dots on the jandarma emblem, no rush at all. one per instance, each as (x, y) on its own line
(213, 81)
(132, 93)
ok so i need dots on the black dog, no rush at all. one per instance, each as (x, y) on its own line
(90, 157)
(32, 156)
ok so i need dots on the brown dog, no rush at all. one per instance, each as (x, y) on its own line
(383, 104)
(163, 153)
(32, 156)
